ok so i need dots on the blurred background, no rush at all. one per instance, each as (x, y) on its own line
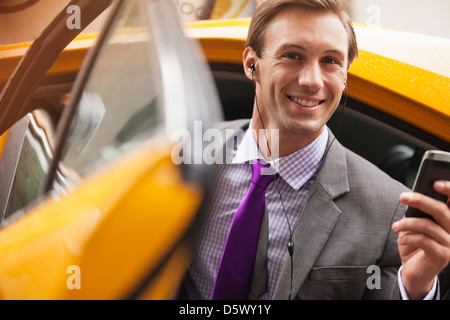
(24, 20)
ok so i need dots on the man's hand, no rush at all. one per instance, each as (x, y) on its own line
(424, 245)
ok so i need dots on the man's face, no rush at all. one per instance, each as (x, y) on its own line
(302, 71)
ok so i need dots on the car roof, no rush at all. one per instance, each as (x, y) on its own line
(406, 75)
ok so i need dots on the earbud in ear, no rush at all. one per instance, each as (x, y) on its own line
(252, 68)
(345, 85)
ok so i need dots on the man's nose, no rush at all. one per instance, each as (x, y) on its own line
(311, 76)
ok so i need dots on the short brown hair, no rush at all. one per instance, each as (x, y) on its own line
(270, 8)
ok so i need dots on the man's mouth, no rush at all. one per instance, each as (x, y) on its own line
(306, 103)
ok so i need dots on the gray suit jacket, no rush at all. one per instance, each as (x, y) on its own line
(344, 234)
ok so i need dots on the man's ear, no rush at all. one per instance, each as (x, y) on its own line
(250, 61)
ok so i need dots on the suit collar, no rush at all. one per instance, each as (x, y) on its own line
(333, 174)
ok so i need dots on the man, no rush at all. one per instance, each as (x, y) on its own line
(329, 213)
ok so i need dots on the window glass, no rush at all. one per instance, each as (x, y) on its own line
(147, 80)
(25, 160)
(121, 103)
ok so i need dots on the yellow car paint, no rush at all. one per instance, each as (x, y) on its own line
(69, 62)
(3, 140)
(115, 227)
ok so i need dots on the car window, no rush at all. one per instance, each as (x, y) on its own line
(30, 141)
(121, 102)
(148, 80)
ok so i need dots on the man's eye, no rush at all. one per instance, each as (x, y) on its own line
(291, 56)
(330, 60)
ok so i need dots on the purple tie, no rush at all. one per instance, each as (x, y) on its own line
(238, 258)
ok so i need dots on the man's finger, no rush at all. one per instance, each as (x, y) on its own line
(437, 209)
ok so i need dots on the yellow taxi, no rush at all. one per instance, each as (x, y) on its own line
(93, 205)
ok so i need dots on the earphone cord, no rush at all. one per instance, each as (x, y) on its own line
(291, 242)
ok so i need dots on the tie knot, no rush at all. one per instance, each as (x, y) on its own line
(262, 175)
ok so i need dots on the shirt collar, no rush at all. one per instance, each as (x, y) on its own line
(296, 168)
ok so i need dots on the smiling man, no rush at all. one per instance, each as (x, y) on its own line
(300, 73)
(326, 218)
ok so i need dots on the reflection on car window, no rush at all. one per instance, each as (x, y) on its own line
(25, 162)
(31, 134)
(120, 104)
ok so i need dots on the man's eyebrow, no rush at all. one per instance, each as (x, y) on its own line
(288, 46)
(336, 51)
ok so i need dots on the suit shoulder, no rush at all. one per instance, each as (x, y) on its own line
(363, 171)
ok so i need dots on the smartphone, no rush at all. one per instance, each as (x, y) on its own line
(435, 165)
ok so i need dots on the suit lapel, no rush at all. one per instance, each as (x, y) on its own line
(318, 219)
